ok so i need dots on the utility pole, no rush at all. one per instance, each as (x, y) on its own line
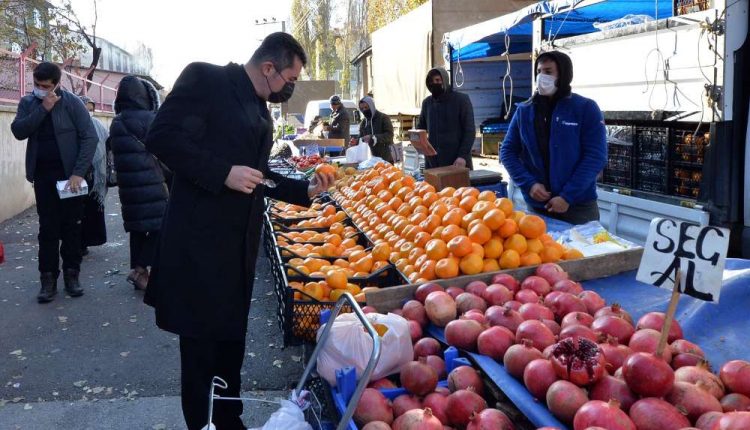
(271, 21)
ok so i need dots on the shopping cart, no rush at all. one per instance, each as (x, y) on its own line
(307, 400)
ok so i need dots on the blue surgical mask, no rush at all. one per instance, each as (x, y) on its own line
(39, 93)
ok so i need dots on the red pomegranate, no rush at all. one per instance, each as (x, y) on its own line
(535, 311)
(418, 378)
(694, 400)
(425, 289)
(454, 291)
(414, 310)
(476, 287)
(567, 286)
(578, 360)
(463, 334)
(592, 300)
(440, 308)
(614, 353)
(475, 315)
(550, 298)
(465, 377)
(415, 330)
(437, 402)
(507, 280)
(615, 310)
(398, 312)
(468, 301)
(490, 419)
(536, 284)
(527, 296)
(376, 425)
(707, 420)
(647, 340)
(564, 399)
(735, 402)
(426, 346)
(551, 272)
(535, 331)
(514, 304)
(578, 330)
(648, 375)
(538, 376)
(565, 303)
(602, 414)
(369, 310)
(382, 384)
(655, 320)
(656, 414)
(610, 387)
(734, 421)
(497, 294)
(373, 406)
(701, 374)
(504, 317)
(462, 404)
(404, 403)
(495, 341)
(615, 327)
(736, 376)
(417, 419)
(552, 325)
(682, 346)
(685, 359)
(437, 364)
(582, 318)
(518, 356)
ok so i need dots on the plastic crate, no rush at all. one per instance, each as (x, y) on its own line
(651, 159)
(652, 143)
(619, 169)
(683, 7)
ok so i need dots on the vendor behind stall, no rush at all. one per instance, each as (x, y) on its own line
(556, 145)
(376, 129)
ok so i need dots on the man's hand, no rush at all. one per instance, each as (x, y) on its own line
(74, 183)
(557, 205)
(49, 101)
(460, 162)
(320, 183)
(539, 193)
(243, 179)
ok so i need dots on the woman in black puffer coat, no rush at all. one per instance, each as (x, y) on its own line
(140, 176)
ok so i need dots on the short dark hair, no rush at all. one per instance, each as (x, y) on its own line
(280, 49)
(47, 71)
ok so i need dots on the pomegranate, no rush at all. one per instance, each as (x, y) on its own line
(701, 373)
(527, 296)
(462, 404)
(437, 364)
(426, 346)
(373, 406)
(592, 300)
(398, 312)
(582, 318)
(504, 317)
(707, 420)
(405, 402)
(440, 308)
(648, 375)
(735, 402)
(614, 353)
(615, 327)
(736, 375)
(551, 272)
(565, 303)
(578, 360)
(414, 311)
(535, 311)
(618, 374)
(514, 304)
(615, 310)
(602, 414)
(694, 400)
(547, 353)
(490, 419)
(468, 301)
(415, 330)
(425, 289)
(437, 403)
(682, 346)
(475, 315)
(443, 390)
(734, 421)
(685, 359)
(610, 387)
(497, 294)
(376, 425)
(535, 331)
(567, 286)
(550, 298)
(536, 284)
(647, 340)
(552, 325)
(465, 377)
(369, 310)
(564, 399)
(476, 287)
(657, 414)
(418, 378)
(495, 341)
(655, 320)
(382, 384)
(538, 376)
(454, 291)
(518, 356)
(507, 280)
(417, 419)
(463, 334)
(578, 330)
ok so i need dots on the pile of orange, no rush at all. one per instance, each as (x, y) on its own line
(291, 211)
(325, 218)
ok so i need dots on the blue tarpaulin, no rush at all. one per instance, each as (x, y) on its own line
(564, 18)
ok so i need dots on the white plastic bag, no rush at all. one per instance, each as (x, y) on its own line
(349, 345)
(288, 417)
(359, 153)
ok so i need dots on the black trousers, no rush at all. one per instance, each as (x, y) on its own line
(143, 247)
(93, 226)
(59, 222)
(201, 360)
(578, 214)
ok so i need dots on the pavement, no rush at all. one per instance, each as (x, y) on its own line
(99, 361)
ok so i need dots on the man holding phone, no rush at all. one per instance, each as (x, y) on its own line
(61, 145)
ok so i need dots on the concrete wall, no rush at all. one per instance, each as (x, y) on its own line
(16, 194)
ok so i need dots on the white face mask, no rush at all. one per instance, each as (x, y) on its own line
(545, 84)
(39, 93)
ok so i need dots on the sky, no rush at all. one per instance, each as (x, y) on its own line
(182, 31)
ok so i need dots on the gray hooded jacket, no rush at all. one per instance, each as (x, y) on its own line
(379, 126)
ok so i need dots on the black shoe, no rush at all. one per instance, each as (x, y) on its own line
(49, 287)
(72, 286)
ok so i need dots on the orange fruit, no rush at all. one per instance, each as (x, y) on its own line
(517, 243)
(447, 192)
(494, 218)
(438, 232)
(414, 254)
(460, 246)
(572, 254)
(508, 229)
(471, 264)
(436, 249)
(480, 234)
(364, 264)
(405, 249)
(329, 210)
(341, 263)
(420, 260)
(421, 239)
(427, 270)
(453, 217)
(490, 265)
(446, 268)
(482, 207)
(336, 279)
(532, 226)
(381, 251)
(470, 191)
(451, 231)
(551, 254)
(505, 205)
(336, 228)
(534, 245)
(487, 196)
(493, 248)
(510, 259)
(517, 215)
(477, 249)
(530, 259)
(467, 203)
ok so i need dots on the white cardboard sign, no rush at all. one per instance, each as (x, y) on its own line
(698, 252)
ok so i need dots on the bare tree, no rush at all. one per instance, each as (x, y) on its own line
(67, 14)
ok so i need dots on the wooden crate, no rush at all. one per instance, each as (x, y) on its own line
(401, 125)
(447, 176)
(599, 266)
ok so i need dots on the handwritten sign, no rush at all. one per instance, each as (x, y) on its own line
(697, 252)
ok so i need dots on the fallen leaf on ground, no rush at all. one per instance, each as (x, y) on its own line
(17, 352)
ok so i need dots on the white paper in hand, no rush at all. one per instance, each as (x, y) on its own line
(67, 193)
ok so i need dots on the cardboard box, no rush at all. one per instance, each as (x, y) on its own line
(448, 176)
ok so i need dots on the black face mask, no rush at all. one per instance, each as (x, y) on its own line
(367, 113)
(282, 95)
(436, 89)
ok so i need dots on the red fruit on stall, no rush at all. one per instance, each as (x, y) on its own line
(437, 364)
(476, 287)
(564, 399)
(518, 356)
(468, 301)
(701, 374)
(567, 286)
(735, 402)
(463, 334)
(462, 404)
(578, 360)
(504, 317)
(418, 378)
(527, 296)
(602, 414)
(734, 421)
(440, 308)
(465, 377)
(535, 311)
(414, 310)
(538, 376)
(565, 303)
(614, 353)
(383, 384)
(536, 284)
(552, 325)
(475, 315)
(425, 289)
(615, 310)
(426, 346)
(454, 291)
(648, 375)
(507, 280)
(655, 320)
(647, 340)
(736, 376)
(682, 346)
(490, 419)
(610, 387)
(708, 420)
(373, 406)
(593, 301)
(405, 402)
(551, 272)
(417, 419)
(578, 330)
(495, 341)
(377, 425)
(693, 400)
(497, 294)
(415, 330)
(656, 414)
(685, 359)
(535, 331)
(583, 318)
(614, 326)
(437, 402)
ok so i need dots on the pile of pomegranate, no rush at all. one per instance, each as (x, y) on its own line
(591, 363)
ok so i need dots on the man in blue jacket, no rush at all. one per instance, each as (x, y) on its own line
(556, 145)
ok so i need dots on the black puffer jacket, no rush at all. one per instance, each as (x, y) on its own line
(143, 190)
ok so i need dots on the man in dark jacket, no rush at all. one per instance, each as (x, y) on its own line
(376, 129)
(339, 125)
(214, 132)
(556, 145)
(448, 117)
(61, 145)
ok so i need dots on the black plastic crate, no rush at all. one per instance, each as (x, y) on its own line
(652, 143)
(651, 178)
(689, 148)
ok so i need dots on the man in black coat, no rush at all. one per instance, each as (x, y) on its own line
(214, 132)
(339, 125)
(448, 117)
(376, 129)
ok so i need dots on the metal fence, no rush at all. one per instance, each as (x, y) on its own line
(16, 81)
